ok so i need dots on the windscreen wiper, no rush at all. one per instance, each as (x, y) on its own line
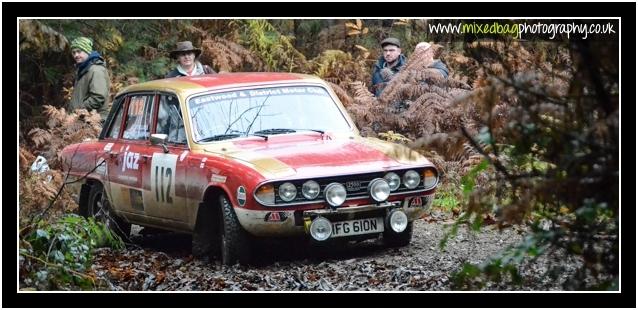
(219, 137)
(245, 134)
(275, 131)
(231, 136)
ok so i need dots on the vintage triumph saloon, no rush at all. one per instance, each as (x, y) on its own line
(231, 157)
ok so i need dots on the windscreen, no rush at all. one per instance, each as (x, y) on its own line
(265, 111)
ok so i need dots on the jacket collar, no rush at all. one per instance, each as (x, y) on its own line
(381, 62)
(198, 70)
(94, 58)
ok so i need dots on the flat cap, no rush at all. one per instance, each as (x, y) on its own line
(393, 41)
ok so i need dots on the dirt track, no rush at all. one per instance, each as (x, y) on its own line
(164, 262)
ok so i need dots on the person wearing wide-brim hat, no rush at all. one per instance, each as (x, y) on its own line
(187, 64)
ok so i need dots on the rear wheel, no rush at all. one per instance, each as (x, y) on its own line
(393, 239)
(99, 207)
(235, 241)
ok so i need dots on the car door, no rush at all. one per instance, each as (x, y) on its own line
(125, 160)
(112, 143)
(165, 189)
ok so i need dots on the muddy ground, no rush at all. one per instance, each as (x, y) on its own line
(163, 261)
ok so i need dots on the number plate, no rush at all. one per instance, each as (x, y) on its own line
(357, 227)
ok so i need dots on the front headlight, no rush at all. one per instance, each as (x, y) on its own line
(335, 194)
(411, 179)
(394, 181)
(379, 189)
(287, 191)
(266, 194)
(310, 189)
(430, 178)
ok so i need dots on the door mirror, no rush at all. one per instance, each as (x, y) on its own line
(160, 139)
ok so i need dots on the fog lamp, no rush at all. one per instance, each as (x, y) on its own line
(320, 229)
(398, 220)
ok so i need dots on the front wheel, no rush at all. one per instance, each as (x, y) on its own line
(99, 207)
(235, 241)
(392, 239)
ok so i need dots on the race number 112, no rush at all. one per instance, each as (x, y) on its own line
(162, 173)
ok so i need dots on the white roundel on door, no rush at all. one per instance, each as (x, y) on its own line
(163, 178)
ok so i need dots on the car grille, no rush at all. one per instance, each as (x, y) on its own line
(356, 185)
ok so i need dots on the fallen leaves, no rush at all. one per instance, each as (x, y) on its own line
(361, 266)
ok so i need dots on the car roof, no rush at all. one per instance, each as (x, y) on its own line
(185, 86)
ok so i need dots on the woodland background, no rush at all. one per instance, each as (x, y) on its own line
(523, 132)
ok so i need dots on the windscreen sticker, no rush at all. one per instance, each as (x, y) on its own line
(264, 92)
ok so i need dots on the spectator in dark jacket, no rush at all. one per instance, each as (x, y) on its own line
(92, 83)
(388, 65)
(187, 63)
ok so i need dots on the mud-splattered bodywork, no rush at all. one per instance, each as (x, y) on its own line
(149, 186)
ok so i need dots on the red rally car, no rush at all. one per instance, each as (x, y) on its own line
(234, 156)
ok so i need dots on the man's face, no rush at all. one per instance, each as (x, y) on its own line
(186, 59)
(391, 53)
(79, 55)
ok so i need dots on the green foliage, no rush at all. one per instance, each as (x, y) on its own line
(446, 202)
(554, 162)
(469, 180)
(275, 49)
(550, 127)
(447, 198)
(306, 34)
(57, 255)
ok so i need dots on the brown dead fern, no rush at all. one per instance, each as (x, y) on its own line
(226, 55)
(63, 129)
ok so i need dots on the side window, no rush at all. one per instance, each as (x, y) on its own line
(114, 131)
(169, 119)
(138, 118)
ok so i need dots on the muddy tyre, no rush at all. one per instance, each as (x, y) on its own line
(235, 241)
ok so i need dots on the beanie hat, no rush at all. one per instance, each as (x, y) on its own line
(82, 43)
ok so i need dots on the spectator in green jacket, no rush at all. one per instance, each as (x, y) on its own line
(92, 83)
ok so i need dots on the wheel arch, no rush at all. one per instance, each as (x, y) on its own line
(83, 195)
(209, 208)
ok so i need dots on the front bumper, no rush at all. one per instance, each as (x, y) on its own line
(290, 222)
